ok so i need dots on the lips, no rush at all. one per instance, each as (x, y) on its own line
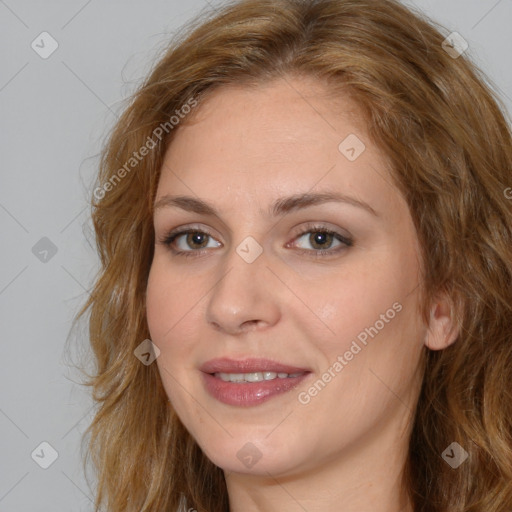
(252, 365)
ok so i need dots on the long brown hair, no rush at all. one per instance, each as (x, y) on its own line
(444, 130)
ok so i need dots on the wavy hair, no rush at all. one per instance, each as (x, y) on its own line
(447, 135)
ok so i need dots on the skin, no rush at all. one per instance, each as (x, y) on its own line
(244, 148)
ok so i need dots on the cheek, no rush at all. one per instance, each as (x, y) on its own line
(164, 308)
(164, 303)
(169, 299)
(172, 309)
(353, 301)
(371, 306)
(156, 303)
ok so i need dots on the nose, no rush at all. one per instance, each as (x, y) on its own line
(246, 296)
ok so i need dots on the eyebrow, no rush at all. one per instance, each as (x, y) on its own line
(281, 206)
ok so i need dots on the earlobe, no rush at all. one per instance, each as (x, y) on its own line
(442, 330)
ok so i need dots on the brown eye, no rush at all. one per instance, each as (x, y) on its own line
(197, 239)
(187, 242)
(321, 239)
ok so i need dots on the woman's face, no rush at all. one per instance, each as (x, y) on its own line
(258, 278)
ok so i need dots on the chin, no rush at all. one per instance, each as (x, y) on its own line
(251, 454)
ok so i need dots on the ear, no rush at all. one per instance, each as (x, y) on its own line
(442, 330)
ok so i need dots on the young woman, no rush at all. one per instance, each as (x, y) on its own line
(304, 222)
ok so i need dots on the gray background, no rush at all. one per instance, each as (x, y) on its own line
(55, 113)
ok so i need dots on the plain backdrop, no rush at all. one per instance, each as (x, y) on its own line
(55, 113)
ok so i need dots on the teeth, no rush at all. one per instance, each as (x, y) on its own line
(254, 377)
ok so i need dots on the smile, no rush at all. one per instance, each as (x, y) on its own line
(250, 389)
(255, 376)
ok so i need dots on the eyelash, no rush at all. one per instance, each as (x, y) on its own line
(169, 239)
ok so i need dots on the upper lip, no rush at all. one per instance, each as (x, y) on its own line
(251, 365)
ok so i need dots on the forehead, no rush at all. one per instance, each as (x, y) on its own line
(284, 109)
(286, 136)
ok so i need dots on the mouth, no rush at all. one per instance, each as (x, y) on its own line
(255, 376)
(250, 382)
(251, 367)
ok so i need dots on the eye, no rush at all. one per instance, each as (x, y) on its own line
(191, 242)
(185, 239)
(321, 240)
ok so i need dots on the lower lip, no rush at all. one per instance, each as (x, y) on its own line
(247, 394)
